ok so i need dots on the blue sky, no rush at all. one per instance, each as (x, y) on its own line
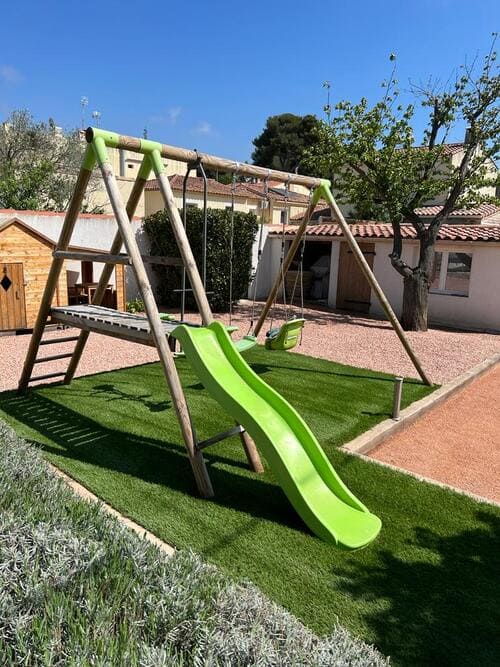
(207, 74)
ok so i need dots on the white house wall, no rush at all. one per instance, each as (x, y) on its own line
(334, 275)
(390, 281)
(479, 310)
(268, 265)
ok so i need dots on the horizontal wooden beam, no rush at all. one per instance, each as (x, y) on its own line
(136, 145)
(107, 258)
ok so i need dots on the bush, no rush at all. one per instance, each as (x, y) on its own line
(158, 228)
(135, 306)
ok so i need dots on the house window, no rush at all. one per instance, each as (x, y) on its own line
(283, 217)
(451, 273)
(87, 272)
(190, 204)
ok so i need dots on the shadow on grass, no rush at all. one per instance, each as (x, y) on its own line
(441, 597)
(109, 392)
(356, 374)
(165, 463)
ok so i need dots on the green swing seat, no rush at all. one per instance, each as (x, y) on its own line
(242, 345)
(286, 336)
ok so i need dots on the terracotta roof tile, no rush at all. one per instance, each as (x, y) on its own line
(453, 148)
(195, 184)
(482, 211)
(381, 230)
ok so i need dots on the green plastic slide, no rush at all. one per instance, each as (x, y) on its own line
(297, 460)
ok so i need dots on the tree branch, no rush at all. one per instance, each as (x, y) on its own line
(397, 250)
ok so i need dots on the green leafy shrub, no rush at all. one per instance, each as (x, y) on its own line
(159, 230)
(135, 306)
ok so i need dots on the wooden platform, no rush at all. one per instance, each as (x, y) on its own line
(109, 322)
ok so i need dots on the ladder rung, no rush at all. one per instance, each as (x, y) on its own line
(53, 357)
(122, 258)
(53, 341)
(47, 376)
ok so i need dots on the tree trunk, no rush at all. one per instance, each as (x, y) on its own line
(415, 301)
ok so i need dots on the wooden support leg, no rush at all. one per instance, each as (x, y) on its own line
(54, 272)
(166, 358)
(374, 284)
(286, 264)
(251, 452)
(107, 270)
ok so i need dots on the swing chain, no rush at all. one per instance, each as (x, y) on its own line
(236, 170)
(265, 193)
(282, 258)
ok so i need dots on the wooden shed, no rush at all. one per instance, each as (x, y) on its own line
(25, 259)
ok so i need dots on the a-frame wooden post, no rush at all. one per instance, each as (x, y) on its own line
(166, 357)
(70, 219)
(107, 270)
(200, 295)
(324, 190)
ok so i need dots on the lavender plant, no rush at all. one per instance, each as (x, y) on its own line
(78, 588)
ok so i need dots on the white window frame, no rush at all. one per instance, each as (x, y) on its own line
(443, 273)
(192, 204)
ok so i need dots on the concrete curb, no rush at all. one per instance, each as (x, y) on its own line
(87, 495)
(367, 441)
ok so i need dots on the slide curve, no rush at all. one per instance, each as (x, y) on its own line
(297, 460)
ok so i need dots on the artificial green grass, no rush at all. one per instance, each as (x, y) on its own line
(426, 592)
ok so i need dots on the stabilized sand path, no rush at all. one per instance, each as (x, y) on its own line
(457, 443)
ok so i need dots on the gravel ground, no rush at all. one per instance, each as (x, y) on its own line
(102, 353)
(371, 343)
(348, 339)
(456, 443)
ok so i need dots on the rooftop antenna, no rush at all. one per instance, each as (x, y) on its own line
(84, 102)
(96, 115)
(327, 108)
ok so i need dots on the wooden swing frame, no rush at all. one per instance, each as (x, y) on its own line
(152, 331)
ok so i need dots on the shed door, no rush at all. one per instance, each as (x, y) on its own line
(353, 290)
(12, 303)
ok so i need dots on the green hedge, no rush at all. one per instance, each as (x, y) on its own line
(159, 231)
